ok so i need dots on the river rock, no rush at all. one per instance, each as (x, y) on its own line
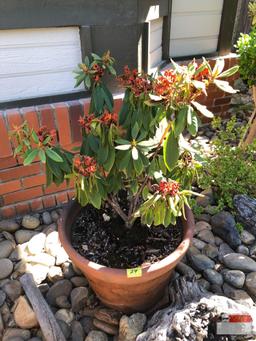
(60, 288)
(36, 244)
(65, 315)
(87, 324)
(238, 295)
(224, 226)
(68, 270)
(12, 333)
(6, 247)
(218, 241)
(79, 298)
(109, 316)
(206, 236)
(105, 327)
(77, 331)
(23, 236)
(202, 225)
(199, 244)
(54, 216)
(13, 289)
(20, 252)
(201, 262)
(204, 284)
(237, 261)
(47, 219)
(9, 226)
(24, 315)
(235, 278)
(6, 267)
(247, 238)
(79, 281)
(213, 276)
(250, 283)
(2, 297)
(132, 326)
(185, 270)
(63, 302)
(253, 251)
(96, 335)
(243, 249)
(246, 211)
(65, 328)
(207, 198)
(30, 222)
(224, 249)
(210, 251)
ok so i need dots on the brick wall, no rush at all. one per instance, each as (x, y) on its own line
(22, 189)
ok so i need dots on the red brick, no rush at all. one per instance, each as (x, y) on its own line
(34, 181)
(49, 201)
(5, 145)
(63, 124)
(118, 104)
(25, 194)
(7, 211)
(223, 100)
(47, 117)
(225, 107)
(7, 162)
(30, 115)
(36, 204)
(75, 111)
(19, 172)
(14, 118)
(61, 198)
(54, 188)
(9, 187)
(71, 194)
(85, 105)
(22, 208)
(216, 109)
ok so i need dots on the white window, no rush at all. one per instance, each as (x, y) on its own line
(38, 62)
(195, 27)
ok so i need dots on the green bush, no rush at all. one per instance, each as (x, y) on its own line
(246, 48)
(232, 169)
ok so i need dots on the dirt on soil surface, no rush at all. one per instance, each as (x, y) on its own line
(109, 243)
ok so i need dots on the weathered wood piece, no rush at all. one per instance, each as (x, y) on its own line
(49, 326)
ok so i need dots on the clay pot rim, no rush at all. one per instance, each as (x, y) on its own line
(148, 269)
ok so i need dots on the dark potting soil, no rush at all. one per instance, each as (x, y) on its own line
(109, 243)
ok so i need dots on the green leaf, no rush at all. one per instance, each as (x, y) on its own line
(110, 161)
(49, 175)
(122, 141)
(180, 121)
(87, 61)
(35, 137)
(202, 109)
(42, 155)
(111, 70)
(95, 199)
(30, 157)
(107, 100)
(138, 165)
(229, 72)
(145, 193)
(93, 143)
(103, 154)
(123, 163)
(53, 155)
(171, 151)
(224, 86)
(95, 56)
(17, 150)
(135, 130)
(87, 82)
(98, 99)
(193, 126)
(79, 79)
(54, 167)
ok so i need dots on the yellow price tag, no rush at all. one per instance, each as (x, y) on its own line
(135, 272)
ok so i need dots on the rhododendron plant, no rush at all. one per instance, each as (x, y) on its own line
(137, 149)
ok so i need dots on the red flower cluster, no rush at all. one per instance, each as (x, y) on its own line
(163, 84)
(98, 72)
(108, 118)
(138, 83)
(204, 74)
(43, 133)
(85, 165)
(85, 122)
(168, 188)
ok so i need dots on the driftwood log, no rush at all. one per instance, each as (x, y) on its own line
(49, 326)
(192, 315)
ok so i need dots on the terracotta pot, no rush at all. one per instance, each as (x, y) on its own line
(112, 286)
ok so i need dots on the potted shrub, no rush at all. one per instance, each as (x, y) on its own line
(130, 223)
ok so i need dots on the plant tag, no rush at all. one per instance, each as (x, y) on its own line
(135, 272)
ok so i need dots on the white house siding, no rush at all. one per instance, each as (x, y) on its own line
(155, 42)
(195, 27)
(38, 62)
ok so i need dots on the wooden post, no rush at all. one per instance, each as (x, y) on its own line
(49, 326)
(251, 132)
